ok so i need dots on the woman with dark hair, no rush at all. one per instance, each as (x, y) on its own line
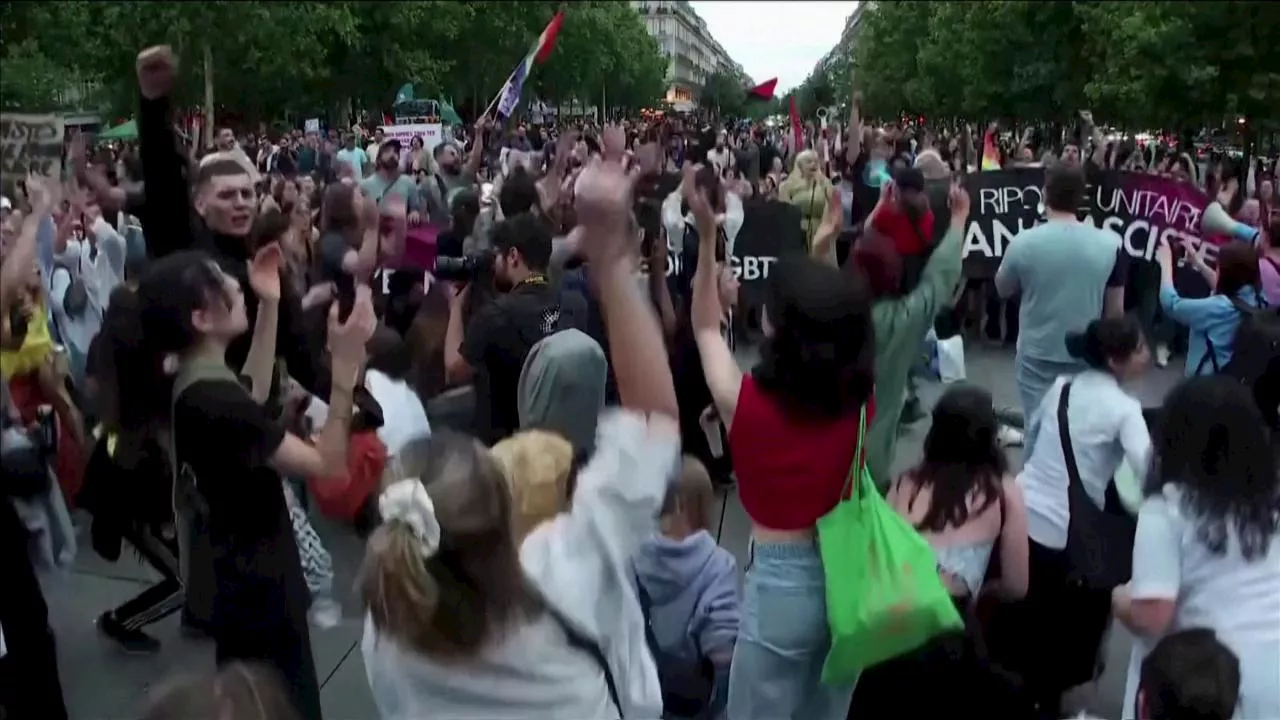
(792, 424)
(166, 371)
(1090, 416)
(1207, 550)
(902, 319)
(1212, 321)
(964, 501)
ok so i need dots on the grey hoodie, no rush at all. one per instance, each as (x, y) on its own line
(562, 387)
(692, 586)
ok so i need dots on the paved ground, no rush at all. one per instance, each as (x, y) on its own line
(103, 684)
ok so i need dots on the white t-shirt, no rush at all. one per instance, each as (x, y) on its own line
(581, 563)
(404, 419)
(1106, 427)
(1238, 600)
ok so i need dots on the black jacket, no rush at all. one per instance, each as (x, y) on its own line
(171, 225)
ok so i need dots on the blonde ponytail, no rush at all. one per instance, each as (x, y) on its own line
(395, 584)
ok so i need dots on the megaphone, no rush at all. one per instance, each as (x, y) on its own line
(1217, 221)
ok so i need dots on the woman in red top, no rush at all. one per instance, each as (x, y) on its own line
(793, 429)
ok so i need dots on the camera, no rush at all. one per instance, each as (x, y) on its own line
(464, 268)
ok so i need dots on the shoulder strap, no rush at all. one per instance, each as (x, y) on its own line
(589, 646)
(1272, 262)
(1210, 355)
(188, 375)
(1064, 434)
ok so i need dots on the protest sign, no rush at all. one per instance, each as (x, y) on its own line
(31, 143)
(311, 125)
(1141, 209)
(770, 230)
(432, 134)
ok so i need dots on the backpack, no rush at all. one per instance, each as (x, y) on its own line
(1256, 347)
(688, 687)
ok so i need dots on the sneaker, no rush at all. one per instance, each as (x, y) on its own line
(1162, 355)
(134, 642)
(1009, 436)
(325, 613)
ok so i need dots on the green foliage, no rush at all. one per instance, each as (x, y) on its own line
(1138, 64)
(270, 60)
(725, 93)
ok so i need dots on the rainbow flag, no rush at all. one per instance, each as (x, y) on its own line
(509, 96)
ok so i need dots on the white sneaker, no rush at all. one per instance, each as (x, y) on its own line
(325, 613)
(1009, 436)
(1162, 355)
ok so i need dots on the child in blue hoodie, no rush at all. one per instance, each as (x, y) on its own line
(688, 588)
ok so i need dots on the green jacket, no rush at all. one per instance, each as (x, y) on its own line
(900, 326)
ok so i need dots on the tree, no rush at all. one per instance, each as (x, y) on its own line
(1137, 64)
(268, 60)
(723, 92)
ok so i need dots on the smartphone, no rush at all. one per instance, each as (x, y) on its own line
(345, 290)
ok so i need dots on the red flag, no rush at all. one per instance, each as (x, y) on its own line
(763, 91)
(547, 41)
(795, 125)
(388, 120)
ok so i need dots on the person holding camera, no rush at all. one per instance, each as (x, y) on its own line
(499, 334)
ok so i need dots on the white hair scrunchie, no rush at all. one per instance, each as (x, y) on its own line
(407, 501)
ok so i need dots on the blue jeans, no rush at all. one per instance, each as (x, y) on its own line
(1035, 377)
(783, 640)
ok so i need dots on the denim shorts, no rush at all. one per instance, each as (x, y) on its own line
(783, 639)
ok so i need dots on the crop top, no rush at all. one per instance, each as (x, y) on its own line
(790, 471)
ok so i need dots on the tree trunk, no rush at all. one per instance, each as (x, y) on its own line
(209, 119)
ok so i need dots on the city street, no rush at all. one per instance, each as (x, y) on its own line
(102, 683)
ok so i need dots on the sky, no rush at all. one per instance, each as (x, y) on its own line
(776, 39)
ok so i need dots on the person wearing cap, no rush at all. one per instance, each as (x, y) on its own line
(388, 180)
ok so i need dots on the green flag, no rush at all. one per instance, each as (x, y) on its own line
(449, 115)
(405, 93)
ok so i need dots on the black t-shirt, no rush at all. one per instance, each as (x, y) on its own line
(497, 340)
(224, 439)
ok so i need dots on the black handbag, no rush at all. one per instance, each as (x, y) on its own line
(26, 472)
(1099, 540)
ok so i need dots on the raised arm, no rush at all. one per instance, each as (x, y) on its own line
(167, 220)
(854, 148)
(21, 258)
(476, 156)
(724, 377)
(259, 364)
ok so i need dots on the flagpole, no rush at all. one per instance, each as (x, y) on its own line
(497, 97)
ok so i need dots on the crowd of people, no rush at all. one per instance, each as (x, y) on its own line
(202, 348)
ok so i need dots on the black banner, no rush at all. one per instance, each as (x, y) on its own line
(1139, 208)
(770, 229)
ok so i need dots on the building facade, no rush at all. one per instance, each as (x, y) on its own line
(848, 38)
(692, 53)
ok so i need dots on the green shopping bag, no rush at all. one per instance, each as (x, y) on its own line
(884, 596)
